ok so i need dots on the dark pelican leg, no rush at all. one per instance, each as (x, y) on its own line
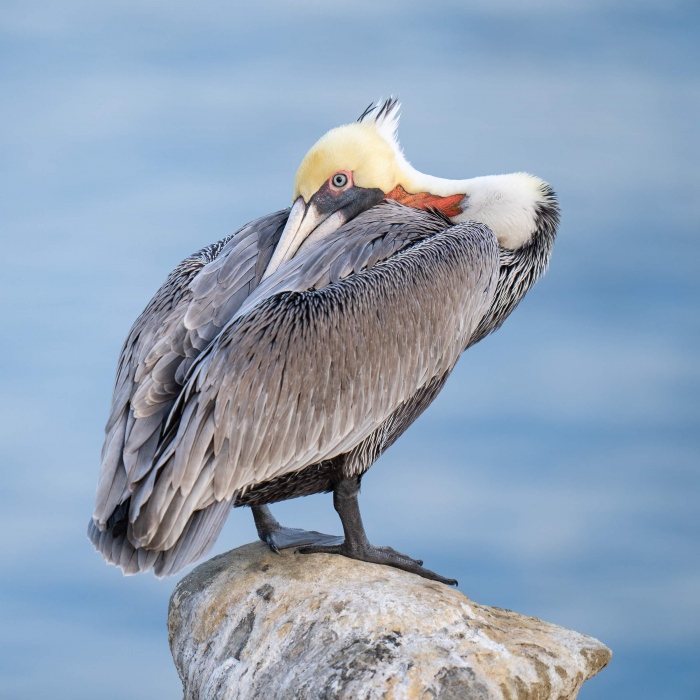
(357, 546)
(278, 537)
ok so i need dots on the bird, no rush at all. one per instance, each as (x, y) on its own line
(285, 359)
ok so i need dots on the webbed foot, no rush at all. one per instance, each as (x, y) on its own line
(377, 555)
(278, 537)
(286, 537)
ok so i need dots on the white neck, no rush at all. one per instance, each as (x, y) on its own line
(507, 204)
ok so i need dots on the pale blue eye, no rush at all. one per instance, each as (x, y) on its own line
(340, 180)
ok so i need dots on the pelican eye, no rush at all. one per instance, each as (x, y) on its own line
(340, 180)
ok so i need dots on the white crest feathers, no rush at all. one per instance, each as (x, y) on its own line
(384, 114)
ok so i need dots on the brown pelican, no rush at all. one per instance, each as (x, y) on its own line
(285, 359)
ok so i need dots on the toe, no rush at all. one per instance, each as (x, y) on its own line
(385, 555)
(287, 538)
(270, 539)
(392, 551)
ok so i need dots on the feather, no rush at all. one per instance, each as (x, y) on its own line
(354, 326)
(157, 355)
(228, 382)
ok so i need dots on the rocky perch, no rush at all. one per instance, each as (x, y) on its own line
(253, 624)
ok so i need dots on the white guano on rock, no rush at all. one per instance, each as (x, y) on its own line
(254, 624)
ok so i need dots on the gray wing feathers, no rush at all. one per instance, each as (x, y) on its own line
(187, 312)
(375, 235)
(198, 536)
(298, 377)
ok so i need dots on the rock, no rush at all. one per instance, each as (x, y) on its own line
(253, 624)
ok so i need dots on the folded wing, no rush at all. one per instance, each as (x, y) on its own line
(316, 359)
(196, 301)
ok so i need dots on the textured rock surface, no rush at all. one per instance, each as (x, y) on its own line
(253, 624)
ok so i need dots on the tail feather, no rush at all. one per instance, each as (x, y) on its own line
(196, 540)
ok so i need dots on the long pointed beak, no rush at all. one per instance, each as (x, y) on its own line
(323, 215)
(303, 219)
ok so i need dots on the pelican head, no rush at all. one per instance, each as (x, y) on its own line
(355, 166)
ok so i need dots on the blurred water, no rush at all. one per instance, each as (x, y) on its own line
(557, 472)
